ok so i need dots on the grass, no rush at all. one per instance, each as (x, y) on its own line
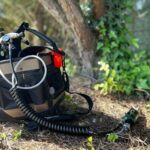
(106, 114)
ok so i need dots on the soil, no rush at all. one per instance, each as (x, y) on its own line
(106, 114)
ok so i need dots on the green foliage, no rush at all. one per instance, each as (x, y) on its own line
(86, 7)
(70, 68)
(112, 137)
(147, 105)
(2, 136)
(17, 135)
(90, 143)
(67, 98)
(122, 68)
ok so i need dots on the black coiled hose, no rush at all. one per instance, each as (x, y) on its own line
(31, 114)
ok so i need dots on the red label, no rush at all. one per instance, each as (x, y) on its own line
(57, 58)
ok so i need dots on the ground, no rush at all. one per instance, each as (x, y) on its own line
(106, 113)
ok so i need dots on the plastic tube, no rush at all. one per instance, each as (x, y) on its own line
(13, 83)
(50, 124)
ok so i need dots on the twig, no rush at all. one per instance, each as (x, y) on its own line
(144, 91)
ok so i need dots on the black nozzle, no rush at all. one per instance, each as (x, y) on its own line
(131, 116)
(24, 26)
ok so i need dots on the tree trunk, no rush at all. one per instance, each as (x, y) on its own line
(83, 34)
(39, 17)
(56, 11)
(68, 13)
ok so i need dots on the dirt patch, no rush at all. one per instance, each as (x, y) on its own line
(107, 112)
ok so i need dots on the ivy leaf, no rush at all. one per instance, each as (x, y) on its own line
(97, 87)
(90, 139)
(147, 105)
(101, 24)
(106, 49)
(112, 137)
(128, 3)
(17, 134)
(134, 42)
(67, 98)
(142, 84)
(89, 144)
(113, 45)
(112, 34)
(128, 89)
(103, 31)
(2, 136)
(99, 45)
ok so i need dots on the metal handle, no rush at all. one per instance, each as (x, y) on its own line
(7, 37)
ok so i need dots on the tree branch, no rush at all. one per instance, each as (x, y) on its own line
(98, 8)
(77, 23)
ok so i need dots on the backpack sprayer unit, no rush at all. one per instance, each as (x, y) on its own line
(33, 83)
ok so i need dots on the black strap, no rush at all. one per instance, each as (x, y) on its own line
(88, 100)
(77, 114)
(46, 39)
(32, 126)
(33, 50)
(86, 97)
(73, 116)
(25, 27)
